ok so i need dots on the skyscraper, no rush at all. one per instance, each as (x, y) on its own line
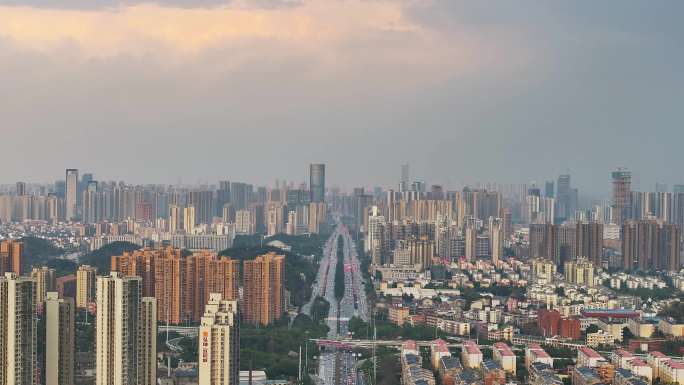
(404, 177)
(622, 197)
(85, 285)
(548, 189)
(264, 294)
(71, 194)
(59, 340)
(564, 197)
(126, 350)
(219, 342)
(18, 330)
(317, 182)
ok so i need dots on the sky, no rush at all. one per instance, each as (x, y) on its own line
(463, 91)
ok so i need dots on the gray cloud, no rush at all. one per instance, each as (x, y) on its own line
(584, 86)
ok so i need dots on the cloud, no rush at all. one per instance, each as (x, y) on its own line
(118, 4)
(464, 91)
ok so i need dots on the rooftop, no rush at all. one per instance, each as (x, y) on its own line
(450, 363)
(591, 353)
(471, 347)
(623, 353)
(503, 349)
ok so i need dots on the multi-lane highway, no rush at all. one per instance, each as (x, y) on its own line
(338, 366)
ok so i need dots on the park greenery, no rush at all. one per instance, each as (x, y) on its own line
(388, 367)
(102, 257)
(675, 311)
(273, 348)
(37, 252)
(389, 331)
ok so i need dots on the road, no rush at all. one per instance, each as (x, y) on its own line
(339, 366)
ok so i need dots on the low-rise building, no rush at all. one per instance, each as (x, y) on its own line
(449, 366)
(589, 357)
(398, 315)
(471, 356)
(670, 327)
(600, 338)
(438, 350)
(534, 353)
(543, 374)
(583, 375)
(640, 368)
(642, 328)
(655, 359)
(504, 356)
(671, 371)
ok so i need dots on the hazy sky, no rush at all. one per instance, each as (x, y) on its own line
(464, 91)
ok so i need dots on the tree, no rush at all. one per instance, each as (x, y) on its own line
(102, 257)
(627, 335)
(37, 252)
(592, 329)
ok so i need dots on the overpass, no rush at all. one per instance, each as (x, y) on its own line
(187, 331)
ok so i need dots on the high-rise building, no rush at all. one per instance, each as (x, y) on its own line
(317, 216)
(93, 203)
(317, 182)
(470, 234)
(404, 176)
(564, 199)
(203, 204)
(174, 218)
(189, 220)
(219, 343)
(543, 269)
(275, 218)
(543, 241)
(622, 197)
(21, 188)
(126, 350)
(243, 222)
(264, 294)
(59, 340)
(376, 241)
(648, 245)
(206, 273)
(589, 242)
(496, 238)
(507, 223)
(85, 285)
(548, 189)
(11, 253)
(566, 243)
(579, 272)
(180, 284)
(18, 330)
(46, 280)
(71, 194)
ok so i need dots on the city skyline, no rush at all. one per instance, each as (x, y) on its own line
(341, 192)
(494, 91)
